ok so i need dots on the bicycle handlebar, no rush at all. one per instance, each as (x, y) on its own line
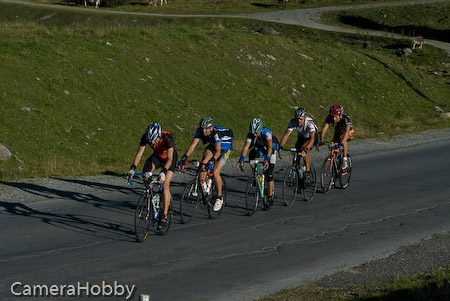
(153, 179)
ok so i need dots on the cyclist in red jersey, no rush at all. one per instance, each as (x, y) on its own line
(164, 155)
(343, 130)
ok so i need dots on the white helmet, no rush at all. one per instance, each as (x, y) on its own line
(153, 132)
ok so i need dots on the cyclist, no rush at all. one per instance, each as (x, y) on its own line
(343, 130)
(263, 143)
(164, 155)
(306, 138)
(217, 152)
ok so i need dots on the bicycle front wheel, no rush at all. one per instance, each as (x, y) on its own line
(290, 185)
(327, 175)
(310, 185)
(211, 200)
(142, 218)
(189, 201)
(345, 176)
(252, 196)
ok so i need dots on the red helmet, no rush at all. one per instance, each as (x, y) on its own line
(336, 110)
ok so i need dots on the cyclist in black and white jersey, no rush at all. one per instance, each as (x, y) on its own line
(219, 140)
(306, 138)
(263, 143)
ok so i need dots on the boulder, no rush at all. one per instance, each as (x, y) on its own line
(4, 152)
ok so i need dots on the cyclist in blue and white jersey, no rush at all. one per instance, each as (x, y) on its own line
(219, 140)
(307, 136)
(263, 143)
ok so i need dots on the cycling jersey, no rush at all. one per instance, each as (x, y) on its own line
(260, 143)
(303, 131)
(339, 127)
(165, 143)
(219, 134)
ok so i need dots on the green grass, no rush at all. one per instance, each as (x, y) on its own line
(58, 119)
(429, 20)
(434, 285)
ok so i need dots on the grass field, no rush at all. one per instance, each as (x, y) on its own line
(78, 89)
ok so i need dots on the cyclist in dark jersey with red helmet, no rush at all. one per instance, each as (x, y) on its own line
(343, 129)
(164, 155)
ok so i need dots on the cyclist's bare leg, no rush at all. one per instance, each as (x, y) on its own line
(270, 187)
(218, 166)
(207, 156)
(166, 192)
(345, 143)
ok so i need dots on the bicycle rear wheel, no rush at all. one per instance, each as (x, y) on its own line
(310, 186)
(169, 218)
(189, 201)
(344, 177)
(211, 200)
(142, 218)
(251, 196)
(290, 185)
(327, 175)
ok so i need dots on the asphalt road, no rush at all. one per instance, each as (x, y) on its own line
(396, 198)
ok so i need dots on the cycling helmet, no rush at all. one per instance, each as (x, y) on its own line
(207, 122)
(256, 126)
(153, 132)
(300, 112)
(336, 110)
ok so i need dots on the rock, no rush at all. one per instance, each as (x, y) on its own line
(445, 115)
(4, 152)
(437, 109)
(266, 30)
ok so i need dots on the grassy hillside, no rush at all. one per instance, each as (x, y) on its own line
(78, 89)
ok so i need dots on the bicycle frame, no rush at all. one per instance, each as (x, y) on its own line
(260, 179)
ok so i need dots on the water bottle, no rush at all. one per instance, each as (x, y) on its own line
(155, 201)
(261, 181)
(204, 186)
(208, 184)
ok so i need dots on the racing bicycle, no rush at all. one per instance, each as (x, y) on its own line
(295, 182)
(194, 194)
(150, 208)
(256, 188)
(331, 169)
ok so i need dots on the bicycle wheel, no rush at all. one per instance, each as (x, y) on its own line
(142, 218)
(290, 186)
(327, 175)
(189, 201)
(252, 196)
(310, 186)
(344, 177)
(212, 200)
(169, 218)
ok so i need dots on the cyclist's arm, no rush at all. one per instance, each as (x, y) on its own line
(191, 147)
(217, 146)
(169, 158)
(285, 137)
(138, 156)
(324, 130)
(245, 148)
(312, 137)
(269, 148)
